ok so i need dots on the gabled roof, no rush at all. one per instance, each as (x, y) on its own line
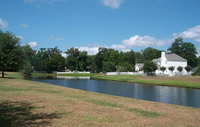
(174, 57)
(171, 57)
(140, 65)
(155, 60)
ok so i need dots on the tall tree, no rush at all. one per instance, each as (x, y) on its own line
(129, 57)
(10, 51)
(151, 53)
(186, 50)
(99, 58)
(149, 66)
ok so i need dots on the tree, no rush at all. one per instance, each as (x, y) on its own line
(151, 53)
(109, 67)
(99, 58)
(10, 51)
(186, 50)
(149, 66)
(127, 66)
(171, 68)
(180, 68)
(72, 58)
(27, 70)
(139, 57)
(129, 57)
(162, 69)
(188, 68)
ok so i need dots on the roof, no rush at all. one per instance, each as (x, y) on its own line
(174, 57)
(155, 60)
(140, 65)
(171, 57)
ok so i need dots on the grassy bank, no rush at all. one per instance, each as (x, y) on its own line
(182, 81)
(28, 103)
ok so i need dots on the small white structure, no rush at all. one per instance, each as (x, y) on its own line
(168, 60)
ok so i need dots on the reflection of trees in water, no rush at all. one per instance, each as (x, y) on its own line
(19, 114)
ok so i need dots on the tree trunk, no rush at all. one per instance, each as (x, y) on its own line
(2, 71)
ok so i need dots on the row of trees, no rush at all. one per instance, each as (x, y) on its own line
(15, 57)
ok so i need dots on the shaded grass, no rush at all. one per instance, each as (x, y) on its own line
(15, 75)
(146, 113)
(19, 114)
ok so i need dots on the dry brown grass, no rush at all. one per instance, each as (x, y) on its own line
(56, 106)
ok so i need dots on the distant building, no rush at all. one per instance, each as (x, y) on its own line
(167, 60)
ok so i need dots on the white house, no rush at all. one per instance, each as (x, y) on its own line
(167, 60)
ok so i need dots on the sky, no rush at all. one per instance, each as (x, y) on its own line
(89, 24)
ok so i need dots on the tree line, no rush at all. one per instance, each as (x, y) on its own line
(16, 57)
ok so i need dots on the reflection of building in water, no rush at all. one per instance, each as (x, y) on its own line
(64, 77)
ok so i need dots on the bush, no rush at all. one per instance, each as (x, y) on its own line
(149, 66)
(188, 68)
(27, 70)
(162, 69)
(171, 68)
(180, 68)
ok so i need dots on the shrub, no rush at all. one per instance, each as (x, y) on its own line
(171, 68)
(180, 68)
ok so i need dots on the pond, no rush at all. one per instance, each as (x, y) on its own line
(163, 94)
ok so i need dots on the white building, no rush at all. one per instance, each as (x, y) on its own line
(167, 60)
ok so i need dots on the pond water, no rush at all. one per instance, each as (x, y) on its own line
(163, 94)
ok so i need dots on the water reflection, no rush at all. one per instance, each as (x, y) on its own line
(164, 94)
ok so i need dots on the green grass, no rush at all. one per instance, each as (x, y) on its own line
(145, 113)
(15, 75)
(134, 79)
(103, 103)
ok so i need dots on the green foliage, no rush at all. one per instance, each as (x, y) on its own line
(149, 66)
(180, 68)
(151, 53)
(108, 67)
(186, 50)
(162, 69)
(188, 68)
(171, 68)
(48, 60)
(11, 55)
(76, 60)
(126, 66)
(27, 70)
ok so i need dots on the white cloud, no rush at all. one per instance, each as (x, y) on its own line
(118, 46)
(33, 44)
(191, 33)
(143, 41)
(24, 25)
(56, 38)
(3, 24)
(20, 37)
(90, 50)
(112, 3)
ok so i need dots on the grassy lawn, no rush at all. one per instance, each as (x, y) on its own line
(32, 104)
(182, 81)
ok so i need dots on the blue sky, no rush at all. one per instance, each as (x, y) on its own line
(89, 24)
